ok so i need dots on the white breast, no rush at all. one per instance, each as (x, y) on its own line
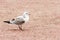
(26, 18)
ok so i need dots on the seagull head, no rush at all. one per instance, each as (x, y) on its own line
(26, 13)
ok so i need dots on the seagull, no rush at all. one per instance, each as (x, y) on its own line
(19, 20)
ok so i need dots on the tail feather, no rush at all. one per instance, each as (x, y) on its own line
(7, 22)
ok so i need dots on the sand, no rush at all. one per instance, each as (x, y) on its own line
(44, 23)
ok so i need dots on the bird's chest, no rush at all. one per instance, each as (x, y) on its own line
(26, 18)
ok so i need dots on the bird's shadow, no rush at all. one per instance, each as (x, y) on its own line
(14, 30)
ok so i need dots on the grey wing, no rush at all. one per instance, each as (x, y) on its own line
(19, 21)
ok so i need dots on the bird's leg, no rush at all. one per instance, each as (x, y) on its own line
(20, 27)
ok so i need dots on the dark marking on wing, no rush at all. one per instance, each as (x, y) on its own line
(13, 19)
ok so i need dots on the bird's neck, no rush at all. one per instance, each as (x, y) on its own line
(25, 16)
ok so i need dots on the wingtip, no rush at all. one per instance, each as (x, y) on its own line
(6, 21)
